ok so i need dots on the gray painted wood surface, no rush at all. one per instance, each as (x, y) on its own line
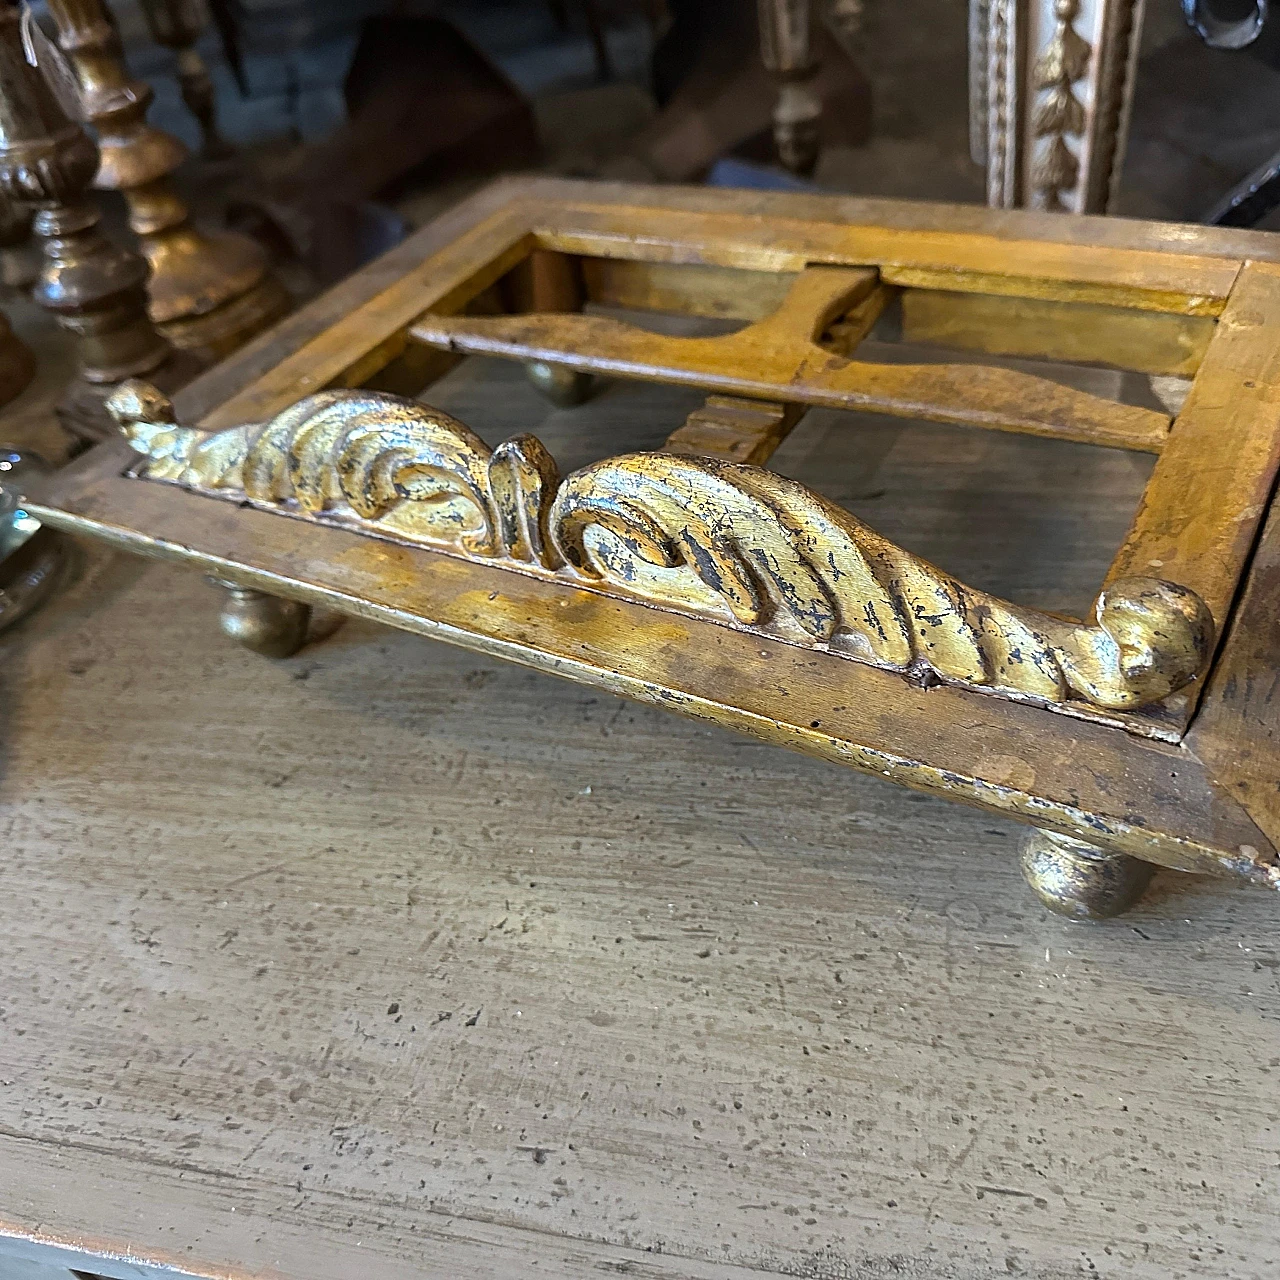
(387, 960)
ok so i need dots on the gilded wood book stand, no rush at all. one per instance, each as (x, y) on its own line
(697, 579)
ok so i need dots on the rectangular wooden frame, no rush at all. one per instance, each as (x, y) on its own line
(1169, 786)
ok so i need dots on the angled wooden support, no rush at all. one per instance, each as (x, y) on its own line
(735, 429)
(780, 358)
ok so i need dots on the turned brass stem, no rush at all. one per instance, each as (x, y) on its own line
(94, 288)
(209, 293)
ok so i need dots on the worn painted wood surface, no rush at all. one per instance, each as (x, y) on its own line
(1199, 517)
(392, 960)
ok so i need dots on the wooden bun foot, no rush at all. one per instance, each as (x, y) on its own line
(265, 623)
(1079, 880)
(562, 386)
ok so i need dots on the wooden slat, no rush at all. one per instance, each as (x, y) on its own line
(1178, 239)
(695, 289)
(1058, 287)
(1042, 329)
(1181, 283)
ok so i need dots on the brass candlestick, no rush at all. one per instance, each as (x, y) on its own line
(209, 293)
(96, 290)
(177, 24)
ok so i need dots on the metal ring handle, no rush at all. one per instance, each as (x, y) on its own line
(1219, 32)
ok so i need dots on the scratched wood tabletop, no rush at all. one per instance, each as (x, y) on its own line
(388, 960)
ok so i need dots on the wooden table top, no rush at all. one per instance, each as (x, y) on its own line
(390, 960)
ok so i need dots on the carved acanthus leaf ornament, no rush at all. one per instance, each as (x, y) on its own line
(739, 542)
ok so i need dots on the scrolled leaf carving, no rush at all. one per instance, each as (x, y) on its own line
(688, 533)
(778, 554)
(413, 471)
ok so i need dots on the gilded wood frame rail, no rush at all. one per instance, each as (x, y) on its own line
(1132, 781)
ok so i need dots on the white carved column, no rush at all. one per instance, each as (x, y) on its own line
(1051, 85)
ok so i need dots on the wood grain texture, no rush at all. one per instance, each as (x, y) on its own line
(736, 429)
(686, 288)
(1086, 231)
(1238, 725)
(931, 255)
(668, 1002)
(1147, 341)
(926, 245)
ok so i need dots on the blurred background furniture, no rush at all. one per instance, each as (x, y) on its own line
(1051, 95)
(208, 292)
(177, 25)
(96, 290)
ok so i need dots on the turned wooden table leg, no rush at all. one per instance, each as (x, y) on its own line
(785, 48)
(262, 622)
(1080, 880)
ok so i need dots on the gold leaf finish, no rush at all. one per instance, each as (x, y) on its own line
(783, 559)
(800, 354)
(686, 533)
(416, 473)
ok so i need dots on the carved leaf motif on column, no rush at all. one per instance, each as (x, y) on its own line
(1059, 114)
